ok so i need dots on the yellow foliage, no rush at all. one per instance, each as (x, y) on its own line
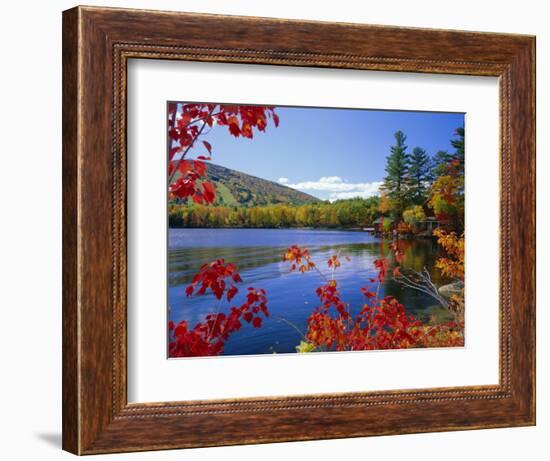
(453, 265)
(305, 347)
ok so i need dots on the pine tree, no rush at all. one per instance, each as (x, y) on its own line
(447, 191)
(395, 183)
(419, 175)
(458, 144)
(440, 162)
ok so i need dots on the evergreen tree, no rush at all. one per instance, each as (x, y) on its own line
(447, 191)
(440, 162)
(419, 175)
(443, 159)
(458, 144)
(395, 182)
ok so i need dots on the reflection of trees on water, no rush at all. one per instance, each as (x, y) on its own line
(419, 253)
(293, 298)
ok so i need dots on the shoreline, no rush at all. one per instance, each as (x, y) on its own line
(350, 229)
(369, 231)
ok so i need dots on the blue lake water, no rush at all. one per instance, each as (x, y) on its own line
(257, 254)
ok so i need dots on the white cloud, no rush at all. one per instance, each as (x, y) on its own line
(337, 188)
(365, 193)
(283, 180)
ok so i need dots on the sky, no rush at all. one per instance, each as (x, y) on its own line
(330, 153)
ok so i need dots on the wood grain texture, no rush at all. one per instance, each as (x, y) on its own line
(97, 44)
(70, 384)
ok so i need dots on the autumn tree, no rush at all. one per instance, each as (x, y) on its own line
(442, 159)
(447, 192)
(413, 216)
(187, 125)
(208, 337)
(384, 204)
(397, 170)
(452, 265)
(357, 212)
(377, 323)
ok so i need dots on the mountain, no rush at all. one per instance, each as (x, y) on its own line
(234, 188)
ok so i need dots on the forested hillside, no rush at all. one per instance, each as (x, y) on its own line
(234, 188)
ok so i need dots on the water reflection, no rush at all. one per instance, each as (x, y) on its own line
(291, 296)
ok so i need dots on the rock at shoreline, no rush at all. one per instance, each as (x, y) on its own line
(450, 289)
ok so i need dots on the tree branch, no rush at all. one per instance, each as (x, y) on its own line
(288, 322)
(424, 284)
(188, 148)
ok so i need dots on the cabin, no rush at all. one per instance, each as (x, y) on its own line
(426, 227)
(423, 228)
(378, 224)
(431, 223)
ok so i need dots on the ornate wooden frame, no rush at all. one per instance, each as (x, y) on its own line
(97, 43)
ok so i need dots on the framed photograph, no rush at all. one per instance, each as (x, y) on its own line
(284, 230)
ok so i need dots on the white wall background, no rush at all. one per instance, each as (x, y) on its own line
(30, 228)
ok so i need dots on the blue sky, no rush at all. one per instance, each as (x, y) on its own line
(330, 153)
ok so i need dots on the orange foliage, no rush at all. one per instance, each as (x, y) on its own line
(209, 337)
(404, 228)
(186, 124)
(299, 257)
(452, 265)
(380, 323)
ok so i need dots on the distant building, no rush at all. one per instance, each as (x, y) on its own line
(429, 225)
(422, 228)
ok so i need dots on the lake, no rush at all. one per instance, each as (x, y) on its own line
(257, 253)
